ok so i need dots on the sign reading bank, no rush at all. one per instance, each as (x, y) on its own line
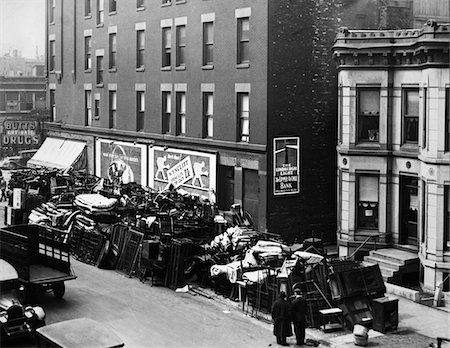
(286, 163)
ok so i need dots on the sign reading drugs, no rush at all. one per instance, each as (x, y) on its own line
(192, 171)
(286, 163)
(180, 172)
(21, 133)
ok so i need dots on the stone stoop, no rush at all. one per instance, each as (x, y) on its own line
(393, 263)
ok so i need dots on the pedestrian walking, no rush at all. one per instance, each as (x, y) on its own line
(2, 189)
(299, 316)
(281, 315)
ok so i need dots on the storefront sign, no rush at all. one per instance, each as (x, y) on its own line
(121, 161)
(21, 133)
(193, 171)
(286, 163)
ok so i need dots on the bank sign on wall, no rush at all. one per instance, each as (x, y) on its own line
(21, 133)
(192, 171)
(286, 166)
(121, 161)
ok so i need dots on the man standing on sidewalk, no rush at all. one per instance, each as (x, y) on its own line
(298, 316)
(281, 315)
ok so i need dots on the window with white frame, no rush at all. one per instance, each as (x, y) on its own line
(180, 113)
(368, 118)
(243, 112)
(87, 53)
(52, 48)
(368, 198)
(100, 12)
(112, 50)
(243, 49)
(140, 45)
(208, 113)
(166, 46)
(181, 45)
(166, 112)
(99, 70)
(140, 110)
(88, 107)
(410, 115)
(112, 109)
(208, 43)
(97, 106)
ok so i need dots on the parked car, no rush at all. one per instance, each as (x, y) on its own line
(18, 161)
(15, 319)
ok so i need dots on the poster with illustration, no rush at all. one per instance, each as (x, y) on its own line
(192, 171)
(121, 162)
(286, 162)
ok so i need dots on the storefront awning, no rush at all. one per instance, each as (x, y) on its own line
(57, 153)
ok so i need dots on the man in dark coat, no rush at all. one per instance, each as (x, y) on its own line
(299, 316)
(281, 315)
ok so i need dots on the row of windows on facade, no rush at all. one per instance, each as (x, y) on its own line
(368, 205)
(242, 59)
(17, 101)
(93, 111)
(100, 8)
(368, 116)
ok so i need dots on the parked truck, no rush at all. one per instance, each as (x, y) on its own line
(40, 255)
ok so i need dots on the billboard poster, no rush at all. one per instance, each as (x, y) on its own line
(192, 171)
(21, 134)
(121, 162)
(286, 164)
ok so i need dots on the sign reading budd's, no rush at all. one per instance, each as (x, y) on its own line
(193, 171)
(21, 133)
(121, 162)
(286, 164)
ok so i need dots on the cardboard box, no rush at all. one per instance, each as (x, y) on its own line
(19, 196)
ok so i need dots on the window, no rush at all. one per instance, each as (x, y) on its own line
(26, 100)
(112, 5)
(447, 217)
(166, 2)
(87, 8)
(424, 210)
(208, 43)
(425, 115)
(368, 122)
(87, 53)
(243, 40)
(97, 107)
(112, 109)
(51, 15)
(52, 55)
(208, 111)
(99, 70)
(166, 46)
(181, 45)
(243, 111)
(140, 48)
(52, 105)
(88, 107)
(367, 202)
(140, 110)
(166, 110)
(410, 116)
(181, 113)
(12, 101)
(447, 119)
(112, 50)
(100, 12)
(139, 3)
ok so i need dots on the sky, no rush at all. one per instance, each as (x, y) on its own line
(22, 26)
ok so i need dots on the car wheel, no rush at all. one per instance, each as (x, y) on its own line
(59, 289)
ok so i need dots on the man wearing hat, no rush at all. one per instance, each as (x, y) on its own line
(298, 316)
(281, 315)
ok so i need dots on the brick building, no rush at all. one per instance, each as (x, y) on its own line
(393, 145)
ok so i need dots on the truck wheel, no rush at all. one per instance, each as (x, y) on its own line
(59, 289)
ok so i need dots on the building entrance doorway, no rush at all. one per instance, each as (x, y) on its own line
(409, 206)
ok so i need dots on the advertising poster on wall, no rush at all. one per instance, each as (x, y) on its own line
(286, 164)
(192, 171)
(121, 161)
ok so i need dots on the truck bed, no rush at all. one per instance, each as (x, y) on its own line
(40, 274)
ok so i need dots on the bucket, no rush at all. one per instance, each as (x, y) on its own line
(360, 335)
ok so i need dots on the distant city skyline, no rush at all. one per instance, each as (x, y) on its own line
(22, 27)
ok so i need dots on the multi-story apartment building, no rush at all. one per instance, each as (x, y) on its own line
(393, 143)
